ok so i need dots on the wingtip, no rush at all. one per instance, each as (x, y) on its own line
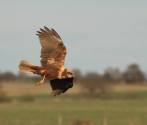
(45, 27)
(53, 30)
(38, 33)
(41, 29)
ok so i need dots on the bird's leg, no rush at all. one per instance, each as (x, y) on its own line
(41, 81)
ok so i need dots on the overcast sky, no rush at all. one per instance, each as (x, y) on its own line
(97, 33)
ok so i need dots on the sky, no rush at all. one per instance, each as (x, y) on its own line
(97, 33)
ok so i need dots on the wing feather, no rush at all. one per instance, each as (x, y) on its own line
(52, 47)
(56, 34)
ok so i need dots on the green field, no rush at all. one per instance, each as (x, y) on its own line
(46, 110)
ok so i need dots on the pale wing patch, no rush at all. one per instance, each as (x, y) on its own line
(50, 61)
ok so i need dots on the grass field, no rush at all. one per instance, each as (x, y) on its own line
(46, 110)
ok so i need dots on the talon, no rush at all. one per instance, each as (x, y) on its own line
(41, 81)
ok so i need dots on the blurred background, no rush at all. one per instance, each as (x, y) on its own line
(106, 44)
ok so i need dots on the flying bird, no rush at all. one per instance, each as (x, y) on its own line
(52, 67)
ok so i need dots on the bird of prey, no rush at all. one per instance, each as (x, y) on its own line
(52, 68)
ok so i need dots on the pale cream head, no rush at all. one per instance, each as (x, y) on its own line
(70, 73)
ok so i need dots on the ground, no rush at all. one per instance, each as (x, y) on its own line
(47, 110)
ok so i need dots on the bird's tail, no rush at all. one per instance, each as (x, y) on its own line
(26, 67)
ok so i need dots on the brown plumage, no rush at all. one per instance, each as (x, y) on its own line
(52, 68)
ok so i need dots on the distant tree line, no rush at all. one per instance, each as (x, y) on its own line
(132, 74)
(20, 77)
(94, 82)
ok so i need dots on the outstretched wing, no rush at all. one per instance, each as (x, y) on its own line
(53, 49)
(61, 85)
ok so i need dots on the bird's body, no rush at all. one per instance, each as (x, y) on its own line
(52, 68)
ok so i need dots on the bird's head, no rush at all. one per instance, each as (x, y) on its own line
(70, 73)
